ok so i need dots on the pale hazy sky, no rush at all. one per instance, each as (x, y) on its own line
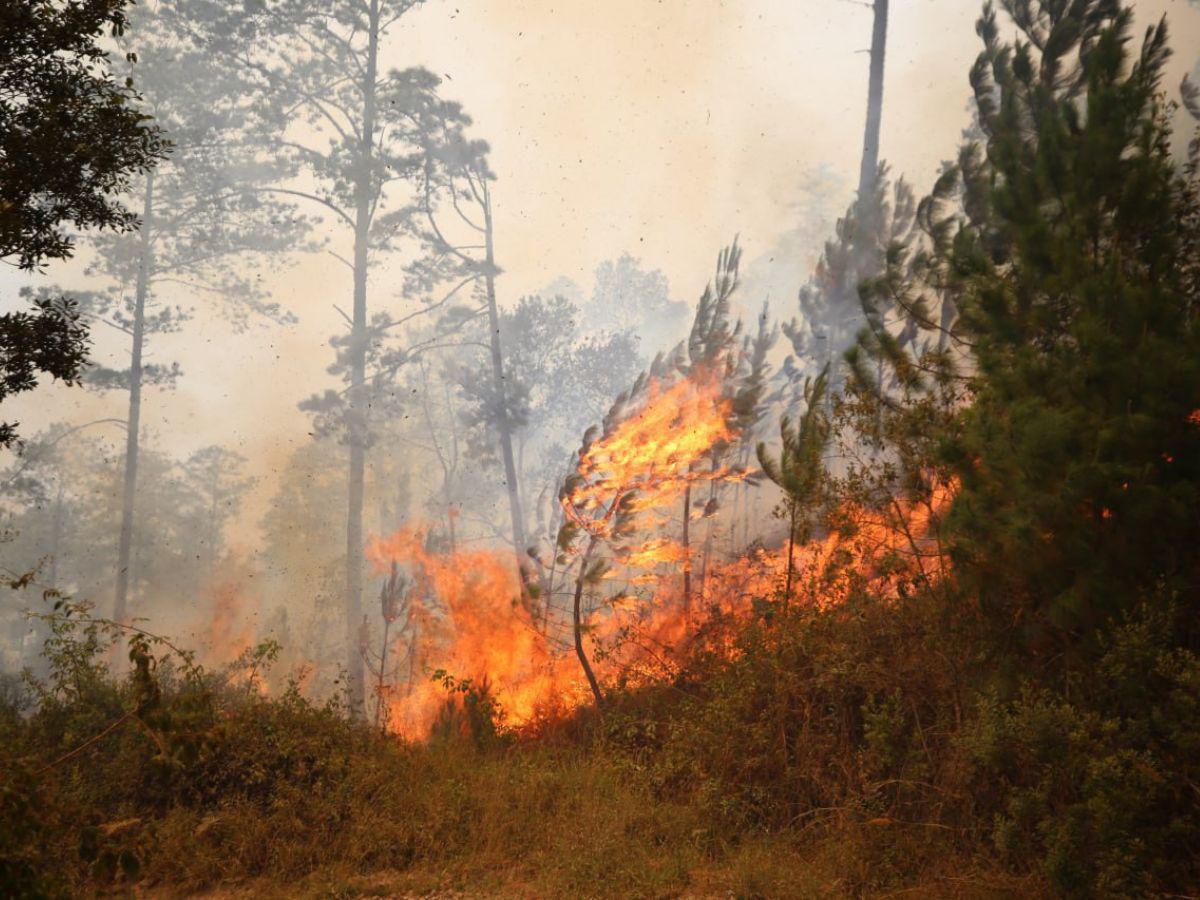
(658, 127)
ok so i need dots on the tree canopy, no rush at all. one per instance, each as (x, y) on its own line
(72, 137)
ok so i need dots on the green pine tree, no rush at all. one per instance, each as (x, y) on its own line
(1068, 260)
(800, 471)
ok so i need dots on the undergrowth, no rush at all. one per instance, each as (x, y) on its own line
(831, 754)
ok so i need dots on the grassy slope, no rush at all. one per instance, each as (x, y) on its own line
(530, 822)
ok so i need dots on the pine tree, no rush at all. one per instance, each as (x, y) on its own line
(800, 469)
(201, 224)
(832, 305)
(457, 226)
(1070, 262)
(320, 64)
(710, 350)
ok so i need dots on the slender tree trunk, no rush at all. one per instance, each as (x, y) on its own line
(357, 424)
(498, 378)
(577, 620)
(133, 420)
(870, 158)
(868, 177)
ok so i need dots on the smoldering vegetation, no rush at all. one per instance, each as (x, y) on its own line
(621, 588)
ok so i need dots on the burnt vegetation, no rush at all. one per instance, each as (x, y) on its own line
(610, 595)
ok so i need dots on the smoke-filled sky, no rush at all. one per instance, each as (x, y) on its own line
(658, 127)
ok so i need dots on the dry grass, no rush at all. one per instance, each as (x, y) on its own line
(526, 823)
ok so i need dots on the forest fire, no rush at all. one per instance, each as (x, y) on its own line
(226, 630)
(467, 618)
(398, 499)
(651, 456)
(466, 621)
(647, 590)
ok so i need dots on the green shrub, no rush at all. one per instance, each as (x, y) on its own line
(1097, 783)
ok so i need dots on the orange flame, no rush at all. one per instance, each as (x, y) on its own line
(229, 627)
(469, 623)
(467, 618)
(652, 454)
(627, 478)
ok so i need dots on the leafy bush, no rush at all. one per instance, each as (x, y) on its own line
(1097, 784)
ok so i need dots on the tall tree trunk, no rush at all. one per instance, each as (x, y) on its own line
(357, 425)
(870, 158)
(501, 387)
(133, 420)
